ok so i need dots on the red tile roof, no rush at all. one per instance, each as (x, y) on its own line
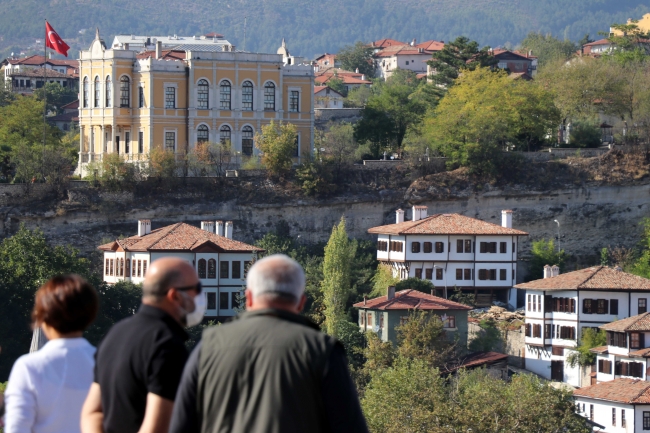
(213, 35)
(602, 350)
(629, 391)
(640, 322)
(165, 54)
(598, 42)
(431, 45)
(411, 300)
(37, 60)
(178, 237)
(478, 359)
(71, 105)
(641, 353)
(383, 43)
(446, 224)
(38, 73)
(594, 278)
(402, 50)
(346, 78)
(498, 51)
(318, 89)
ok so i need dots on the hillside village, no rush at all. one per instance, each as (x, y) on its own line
(396, 159)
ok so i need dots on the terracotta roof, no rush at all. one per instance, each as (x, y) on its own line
(346, 78)
(602, 350)
(213, 35)
(402, 50)
(383, 43)
(594, 278)
(37, 60)
(71, 105)
(318, 89)
(641, 353)
(480, 358)
(411, 300)
(446, 224)
(629, 391)
(498, 51)
(520, 76)
(38, 73)
(422, 75)
(640, 322)
(598, 42)
(178, 237)
(431, 45)
(164, 54)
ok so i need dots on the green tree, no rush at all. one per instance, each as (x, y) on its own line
(424, 286)
(357, 56)
(336, 84)
(340, 146)
(277, 142)
(548, 48)
(589, 339)
(382, 279)
(390, 112)
(57, 96)
(6, 95)
(584, 134)
(336, 285)
(485, 113)
(358, 97)
(544, 252)
(628, 41)
(641, 266)
(423, 337)
(458, 55)
(488, 339)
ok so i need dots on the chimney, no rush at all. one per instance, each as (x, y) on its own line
(220, 228)
(555, 271)
(506, 219)
(208, 226)
(158, 49)
(365, 299)
(391, 292)
(413, 42)
(547, 272)
(228, 233)
(419, 212)
(363, 77)
(399, 216)
(144, 227)
(357, 70)
(126, 46)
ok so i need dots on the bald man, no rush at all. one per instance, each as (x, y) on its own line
(140, 361)
(269, 370)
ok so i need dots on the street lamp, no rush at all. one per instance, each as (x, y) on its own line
(444, 277)
(558, 235)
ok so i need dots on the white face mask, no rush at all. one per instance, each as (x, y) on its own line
(196, 316)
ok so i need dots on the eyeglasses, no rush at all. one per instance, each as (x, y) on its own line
(198, 287)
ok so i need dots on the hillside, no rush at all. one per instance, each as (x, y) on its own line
(310, 27)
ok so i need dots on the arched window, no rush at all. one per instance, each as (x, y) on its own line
(204, 91)
(86, 92)
(247, 96)
(224, 134)
(212, 268)
(247, 141)
(98, 93)
(224, 95)
(109, 92)
(269, 96)
(125, 92)
(201, 269)
(202, 134)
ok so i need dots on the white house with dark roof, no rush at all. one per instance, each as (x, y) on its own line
(627, 351)
(452, 250)
(220, 261)
(560, 307)
(617, 406)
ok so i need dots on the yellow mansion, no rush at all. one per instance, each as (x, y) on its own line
(132, 101)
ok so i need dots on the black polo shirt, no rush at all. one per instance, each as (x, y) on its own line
(141, 354)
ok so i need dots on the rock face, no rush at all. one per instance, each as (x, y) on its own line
(590, 218)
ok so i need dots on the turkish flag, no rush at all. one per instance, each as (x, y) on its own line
(54, 41)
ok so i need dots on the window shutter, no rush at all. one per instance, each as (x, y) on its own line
(617, 368)
(642, 340)
(548, 303)
(606, 302)
(572, 305)
(459, 246)
(547, 331)
(527, 329)
(613, 306)
(601, 365)
(483, 247)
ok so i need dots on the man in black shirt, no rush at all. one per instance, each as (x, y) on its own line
(269, 370)
(140, 361)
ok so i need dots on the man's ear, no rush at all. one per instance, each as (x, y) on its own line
(301, 304)
(249, 298)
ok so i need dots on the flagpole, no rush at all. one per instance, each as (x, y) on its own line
(44, 99)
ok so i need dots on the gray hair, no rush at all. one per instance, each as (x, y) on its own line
(276, 275)
(157, 288)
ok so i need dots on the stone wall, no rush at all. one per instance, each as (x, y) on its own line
(512, 344)
(561, 153)
(322, 116)
(11, 194)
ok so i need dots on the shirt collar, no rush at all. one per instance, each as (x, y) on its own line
(280, 314)
(66, 342)
(159, 314)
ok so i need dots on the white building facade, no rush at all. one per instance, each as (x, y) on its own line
(220, 261)
(452, 250)
(559, 308)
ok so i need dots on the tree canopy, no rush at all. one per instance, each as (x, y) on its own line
(547, 48)
(278, 144)
(358, 56)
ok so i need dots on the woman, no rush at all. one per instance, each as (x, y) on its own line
(47, 388)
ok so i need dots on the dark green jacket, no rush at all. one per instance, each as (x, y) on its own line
(265, 372)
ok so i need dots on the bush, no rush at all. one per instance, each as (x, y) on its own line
(584, 134)
(315, 179)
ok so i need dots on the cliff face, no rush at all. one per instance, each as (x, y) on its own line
(591, 217)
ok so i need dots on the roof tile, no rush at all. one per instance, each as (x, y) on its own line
(594, 278)
(447, 224)
(640, 322)
(411, 299)
(629, 391)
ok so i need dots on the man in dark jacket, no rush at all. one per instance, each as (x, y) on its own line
(269, 370)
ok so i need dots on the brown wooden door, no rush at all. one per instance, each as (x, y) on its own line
(557, 370)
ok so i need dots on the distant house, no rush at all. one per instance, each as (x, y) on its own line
(604, 46)
(627, 352)
(619, 406)
(24, 75)
(406, 57)
(384, 43)
(495, 363)
(452, 250)
(383, 314)
(324, 97)
(351, 80)
(514, 61)
(560, 307)
(326, 61)
(67, 120)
